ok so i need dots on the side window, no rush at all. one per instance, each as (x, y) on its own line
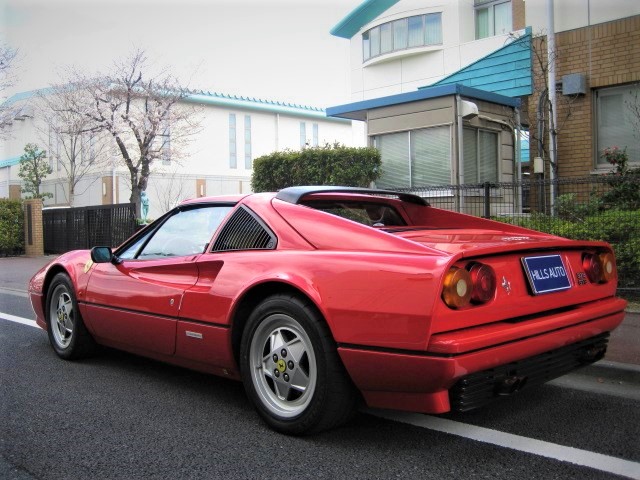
(187, 232)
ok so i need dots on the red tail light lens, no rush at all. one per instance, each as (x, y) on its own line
(592, 267)
(599, 268)
(483, 280)
(456, 292)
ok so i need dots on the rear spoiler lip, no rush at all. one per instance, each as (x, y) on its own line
(296, 194)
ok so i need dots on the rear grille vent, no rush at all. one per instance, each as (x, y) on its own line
(479, 388)
(244, 231)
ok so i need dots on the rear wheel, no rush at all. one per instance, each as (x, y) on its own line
(291, 369)
(67, 333)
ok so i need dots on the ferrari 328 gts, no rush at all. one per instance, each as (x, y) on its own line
(318, 298)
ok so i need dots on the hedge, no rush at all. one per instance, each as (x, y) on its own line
(618, 227)
(326, 165)
(11, 227)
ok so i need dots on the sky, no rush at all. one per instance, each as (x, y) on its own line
(277, 50)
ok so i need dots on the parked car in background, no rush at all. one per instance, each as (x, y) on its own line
(320, 297)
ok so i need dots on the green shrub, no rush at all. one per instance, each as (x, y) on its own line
(11, 227)
(327, 165)
(621, 228)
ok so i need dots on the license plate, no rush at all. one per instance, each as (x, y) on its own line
(546, 274)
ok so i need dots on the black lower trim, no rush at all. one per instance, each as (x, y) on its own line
(477, 389)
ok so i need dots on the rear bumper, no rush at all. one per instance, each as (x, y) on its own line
(420, 381)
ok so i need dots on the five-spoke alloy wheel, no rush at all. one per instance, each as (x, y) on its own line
(67, 333)
(283, 365)
(291, 370)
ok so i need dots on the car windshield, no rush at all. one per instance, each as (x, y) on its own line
(373, 214)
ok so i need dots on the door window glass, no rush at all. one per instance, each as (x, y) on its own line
(188, 232)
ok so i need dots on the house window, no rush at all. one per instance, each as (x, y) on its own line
(247, 142)
(415, 158)
(52, 138)
(411, 32)
(315, 134)
(233, 158)
(303, 135)
(480, 152)
(616, 123)
(87, 149)
(492, 18)
(165, 144)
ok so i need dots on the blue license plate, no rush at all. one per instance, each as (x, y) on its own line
(546, 274)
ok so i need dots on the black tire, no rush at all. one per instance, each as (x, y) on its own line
(291, 369)
(67, 333)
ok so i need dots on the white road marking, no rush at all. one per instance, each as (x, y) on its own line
(21, 320)
(598, 461)
(13, 291)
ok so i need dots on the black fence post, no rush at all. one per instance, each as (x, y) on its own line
(487, 200)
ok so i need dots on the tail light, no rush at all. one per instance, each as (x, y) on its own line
(599, 268)
(608, 266)
(457, 288)
(483, 280)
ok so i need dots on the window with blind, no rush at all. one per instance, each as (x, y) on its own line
(416, 31)
(492, 18)
(233, 159)
(247, 142)
(415, 158)
(480, 152)
(616, 124)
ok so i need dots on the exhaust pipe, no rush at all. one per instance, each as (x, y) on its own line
(593, 354)
(510, 385)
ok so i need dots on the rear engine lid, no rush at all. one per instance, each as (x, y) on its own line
(477, 241)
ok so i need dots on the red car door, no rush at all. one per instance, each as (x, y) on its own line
(135, 301)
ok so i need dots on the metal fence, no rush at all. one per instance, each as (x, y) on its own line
(84, 227)
(605, 208)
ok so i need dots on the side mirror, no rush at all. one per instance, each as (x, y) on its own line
(101, 254)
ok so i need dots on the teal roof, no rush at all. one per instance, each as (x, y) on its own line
(252, 103)
(358, 110)
(360, 16)
(221, 99)
(507, 71)
(9, 162)
(18, 97)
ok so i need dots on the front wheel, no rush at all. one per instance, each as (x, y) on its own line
(291, 369)
(67, 333)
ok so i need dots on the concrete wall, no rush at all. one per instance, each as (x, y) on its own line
(573, 14)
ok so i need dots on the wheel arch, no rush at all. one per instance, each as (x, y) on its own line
(51, 273)
(255, 295)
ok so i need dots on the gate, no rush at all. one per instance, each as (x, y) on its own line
(79, 228)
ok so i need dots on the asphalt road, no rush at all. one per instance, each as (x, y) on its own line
(121, 416)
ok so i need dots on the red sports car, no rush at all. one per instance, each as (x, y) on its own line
(317, 297)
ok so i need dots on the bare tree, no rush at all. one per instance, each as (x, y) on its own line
(7, 59)
(540, 111)
(145, 114)
(633, 109)
(75, 141)
(169, 190)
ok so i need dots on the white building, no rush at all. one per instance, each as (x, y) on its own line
(398, 46)
(234, 131)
